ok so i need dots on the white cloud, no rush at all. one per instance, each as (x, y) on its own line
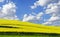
(27, 18)
(31, 17)
(40, 3)
(43, 2)
(2, 0)
(54, 11)
(8, 11)
(52, 8)
(39, 15)
(53, 18)
(10, 7)
(32, 7)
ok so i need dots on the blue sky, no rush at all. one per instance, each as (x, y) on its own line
(23, 7)
(36, 11)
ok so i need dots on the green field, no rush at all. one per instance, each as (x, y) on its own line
(28, 35)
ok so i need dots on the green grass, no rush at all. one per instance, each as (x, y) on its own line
(30, 35)
(40, 35)
(8, 34)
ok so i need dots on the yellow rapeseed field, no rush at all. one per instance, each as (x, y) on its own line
(19, 26)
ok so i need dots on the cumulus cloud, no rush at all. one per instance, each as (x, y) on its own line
(52, 8)
(31, 17)
(27, 18)
(54, 11)
(8, 11)
(2, 0)
(42, 3)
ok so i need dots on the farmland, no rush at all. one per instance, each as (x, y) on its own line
(19, 27)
